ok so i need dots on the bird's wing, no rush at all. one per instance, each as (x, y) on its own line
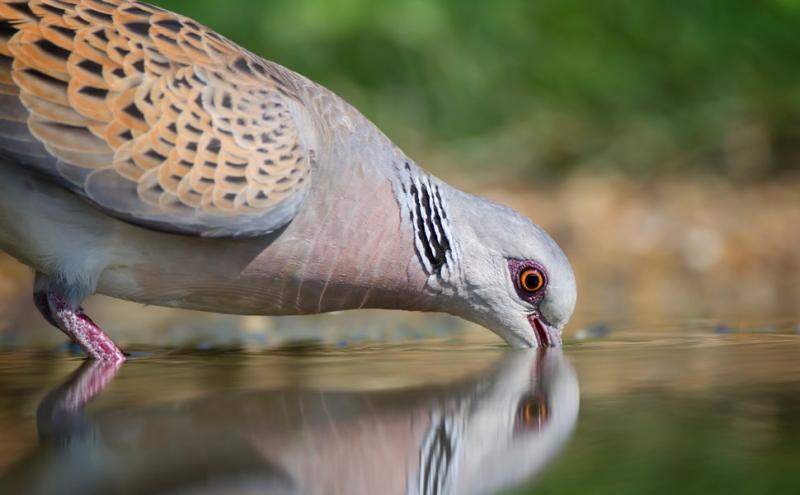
(152, 117)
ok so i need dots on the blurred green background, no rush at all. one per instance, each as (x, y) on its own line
(520, 89)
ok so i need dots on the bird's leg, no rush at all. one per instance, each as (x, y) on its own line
(74, 322)
(40, 300)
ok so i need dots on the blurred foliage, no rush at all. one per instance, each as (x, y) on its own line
(522, 86)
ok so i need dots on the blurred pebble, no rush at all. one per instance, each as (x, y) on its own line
(592, 332)
(722, 328)
(72, 348)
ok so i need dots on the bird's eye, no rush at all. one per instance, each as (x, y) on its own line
(531, 280)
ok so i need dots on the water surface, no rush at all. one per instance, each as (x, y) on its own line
(664, 411)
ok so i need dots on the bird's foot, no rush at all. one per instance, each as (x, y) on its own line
(74, 322)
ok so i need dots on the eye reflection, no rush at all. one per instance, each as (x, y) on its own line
(533, 413)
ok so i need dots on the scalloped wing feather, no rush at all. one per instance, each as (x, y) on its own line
(152, 117)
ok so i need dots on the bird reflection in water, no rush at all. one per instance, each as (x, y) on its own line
(487, 432)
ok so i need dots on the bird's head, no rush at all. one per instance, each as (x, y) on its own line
(513, 278)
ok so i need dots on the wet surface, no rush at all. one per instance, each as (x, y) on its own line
(664, 410)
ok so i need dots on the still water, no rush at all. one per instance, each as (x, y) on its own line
(665, 411)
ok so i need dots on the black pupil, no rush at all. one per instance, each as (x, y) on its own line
(532, 281)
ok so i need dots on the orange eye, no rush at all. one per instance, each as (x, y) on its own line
(531, 280)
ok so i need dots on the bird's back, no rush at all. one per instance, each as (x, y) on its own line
(152, 117)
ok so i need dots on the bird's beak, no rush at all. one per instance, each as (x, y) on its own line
(546, 335)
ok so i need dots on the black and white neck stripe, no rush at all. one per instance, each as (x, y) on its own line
(428, 215)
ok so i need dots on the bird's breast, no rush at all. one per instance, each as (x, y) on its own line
(343, 251)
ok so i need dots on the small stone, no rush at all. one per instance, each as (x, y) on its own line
(722, 328)
(593, 332)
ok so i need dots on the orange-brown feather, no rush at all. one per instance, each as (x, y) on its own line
(191, 122)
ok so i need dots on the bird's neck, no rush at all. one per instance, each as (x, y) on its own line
(353, 244)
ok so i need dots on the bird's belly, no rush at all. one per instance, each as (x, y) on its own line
(54, 231)
(143, 284)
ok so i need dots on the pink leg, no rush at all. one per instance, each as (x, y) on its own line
(78, 326)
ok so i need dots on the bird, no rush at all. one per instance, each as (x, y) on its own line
(146, 157)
